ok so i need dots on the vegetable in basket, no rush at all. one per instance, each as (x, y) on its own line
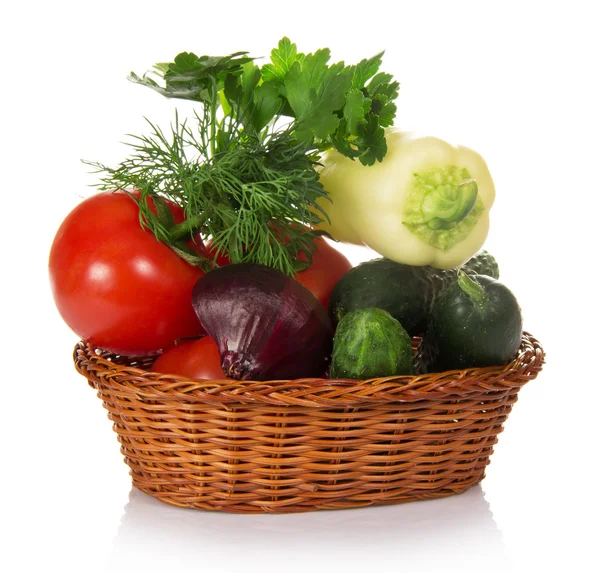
(194, 359)
(406, 292)
(476, 322)
(426, 203)
(115, 285)
(370, 343)
(265, 324)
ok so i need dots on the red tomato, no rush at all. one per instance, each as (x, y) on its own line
(198, 360)
(327, 267)
(115, 285)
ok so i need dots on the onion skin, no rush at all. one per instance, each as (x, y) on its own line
(266, 325)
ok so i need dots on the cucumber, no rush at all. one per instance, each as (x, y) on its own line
(475, 322)
(483, 263)
(406, 292)
(370, 343)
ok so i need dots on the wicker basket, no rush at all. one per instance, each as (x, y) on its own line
(302, 445)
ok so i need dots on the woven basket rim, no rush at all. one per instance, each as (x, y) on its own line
(100, 368)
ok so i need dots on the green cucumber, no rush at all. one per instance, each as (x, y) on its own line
(406, 292)
(475, 322)
(370, 343)
(483, 263)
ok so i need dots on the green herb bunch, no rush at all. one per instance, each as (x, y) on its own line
(243, 169)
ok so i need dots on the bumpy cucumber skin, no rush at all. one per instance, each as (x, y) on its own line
(406, 292)
(483, 263)
(463, 335)
(370, 343)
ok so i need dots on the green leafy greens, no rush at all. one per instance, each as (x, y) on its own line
(245, 172)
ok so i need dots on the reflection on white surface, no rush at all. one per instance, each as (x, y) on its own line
(456, 533)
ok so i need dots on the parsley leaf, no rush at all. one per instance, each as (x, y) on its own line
(252, 102)
(282, 59)
(265, 105)
(381, 84)
(366, 69)
(355, 110)
(315, 91)
(342, 106)
(373, 142)
(384, 109)
(192, 77)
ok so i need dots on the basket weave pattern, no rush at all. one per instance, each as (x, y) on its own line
(301, 445)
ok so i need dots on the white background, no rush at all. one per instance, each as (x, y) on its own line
(516, 81)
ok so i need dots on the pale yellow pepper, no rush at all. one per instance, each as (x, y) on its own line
(426, 203)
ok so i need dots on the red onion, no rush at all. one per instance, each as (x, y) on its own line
(266, 325)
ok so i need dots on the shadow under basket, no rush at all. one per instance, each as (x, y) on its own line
(302, 445)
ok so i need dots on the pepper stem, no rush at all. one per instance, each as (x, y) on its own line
(446, 205)
(442, 206)
(473, 289)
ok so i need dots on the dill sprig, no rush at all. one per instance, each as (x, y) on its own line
(255, 200)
